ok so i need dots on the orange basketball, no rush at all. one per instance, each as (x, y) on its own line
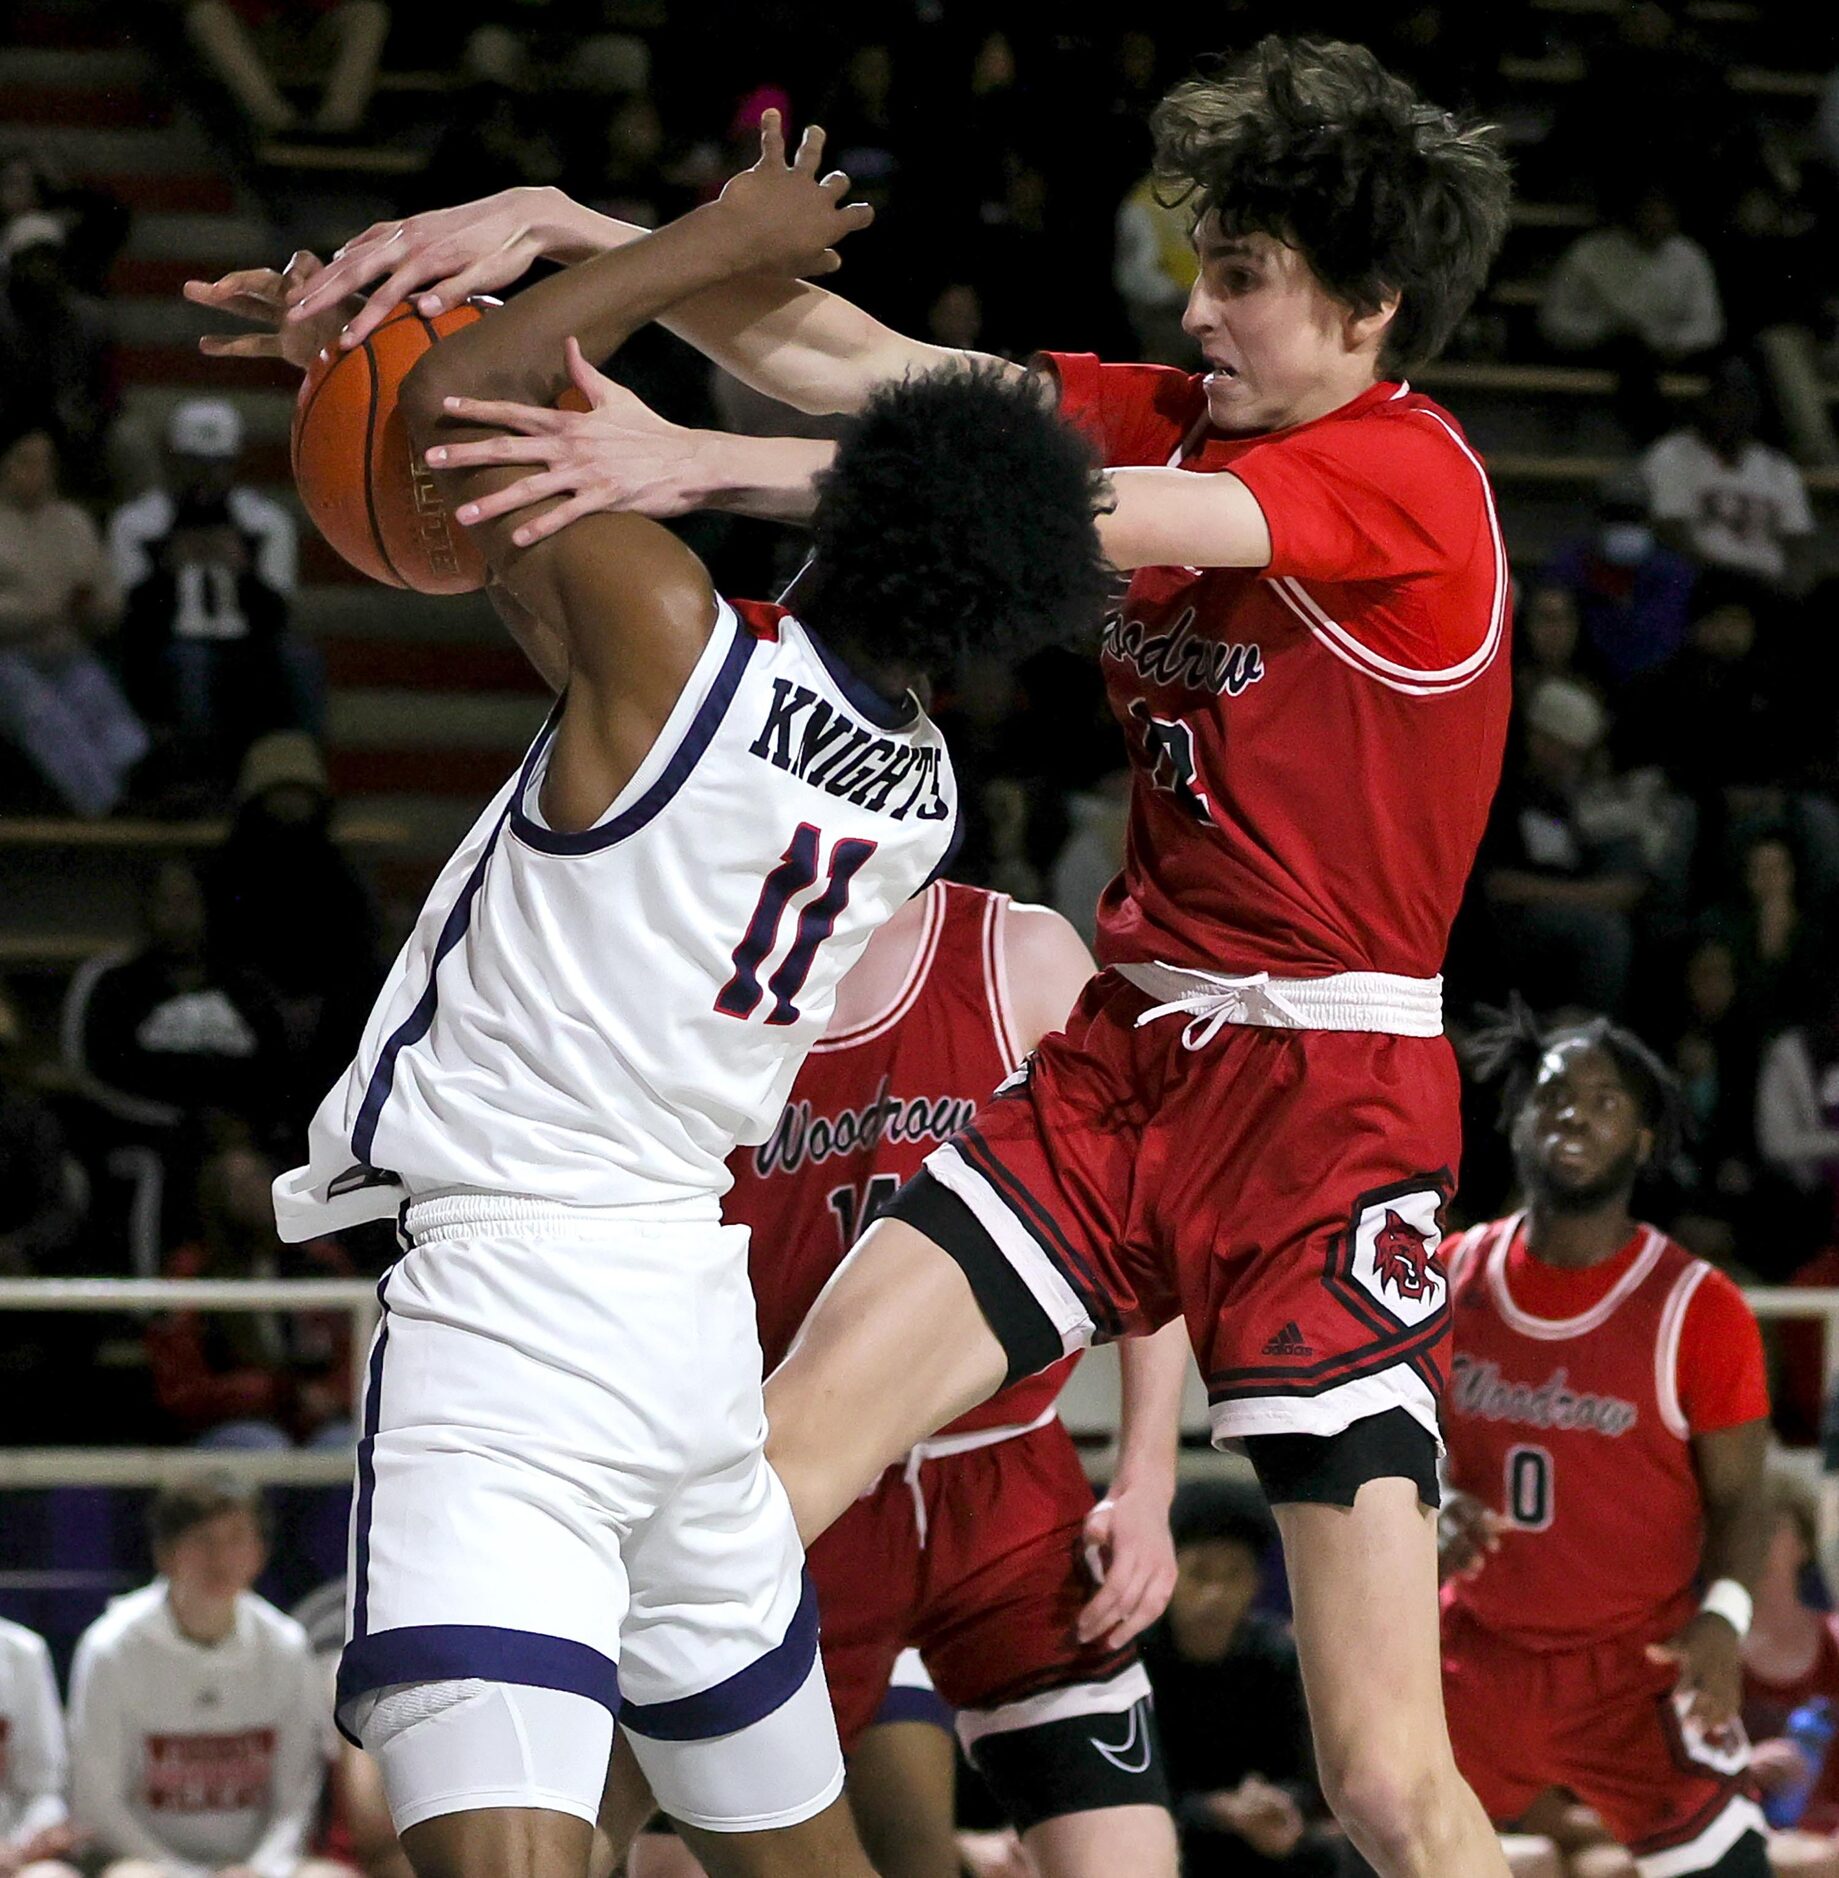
(364, 489)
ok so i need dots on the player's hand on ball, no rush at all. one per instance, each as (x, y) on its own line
(1467, 1534)
(259, 295)
(1709, 1657)
(1779, 1764)
(787, 220)
(1132, 1554)
(437, 259)
(619, 454)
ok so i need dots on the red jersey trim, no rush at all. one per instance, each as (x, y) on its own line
(1409, 678)
(911, 986)
(1666, 1349)
(760, 617)
(1557, 1329)
(996, 980)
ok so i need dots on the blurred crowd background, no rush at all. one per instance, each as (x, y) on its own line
(228, 768)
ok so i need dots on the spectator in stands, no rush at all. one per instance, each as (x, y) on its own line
(1633, 593)
(1790, 1657)
(1639, 298)
(93, 220)
(497, 134)
(860, 114)
(1721, 720)
(1712, 1050)
(35, 1828)
(280, 856)
(56, 349)
(1154, 271)
(252, 1379)
(197, 1723)
(209, 566)
(1548, 640)
(41, 1197)
(59, 707)
(1229, 1700)
(1797, 1111)
(1562, 901)
(1781, 945)
(1721, 495)
(244, 41)
(166, 1033)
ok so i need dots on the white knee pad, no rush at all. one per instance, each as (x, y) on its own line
(784, 1768)
(454, 1747)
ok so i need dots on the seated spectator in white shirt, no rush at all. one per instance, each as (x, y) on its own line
(1638, 297)
(35, 1828)
(197, 1715)
(1719, 494)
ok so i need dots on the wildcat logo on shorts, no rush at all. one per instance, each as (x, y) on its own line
(1395, 1243)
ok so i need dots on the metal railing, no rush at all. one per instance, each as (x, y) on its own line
(150, 1466)
(1089, 1406)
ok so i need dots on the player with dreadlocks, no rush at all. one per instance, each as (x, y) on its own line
(1606, 1423)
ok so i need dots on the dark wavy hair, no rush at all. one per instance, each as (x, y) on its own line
(959, 511)
(1315, 143)
(1510, 1046)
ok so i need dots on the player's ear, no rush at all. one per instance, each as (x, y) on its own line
(1645, 1143)
(1363, 329)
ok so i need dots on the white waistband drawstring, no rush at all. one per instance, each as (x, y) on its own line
(1372, 1001)
(1216, 1001)
(941, 1447)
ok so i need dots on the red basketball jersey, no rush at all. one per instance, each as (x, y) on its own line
(869, 1105)
(1314, 745)
(1571, 1407)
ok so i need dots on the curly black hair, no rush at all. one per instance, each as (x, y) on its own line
(1315, 143)
(959, 511)
(1510, 1047)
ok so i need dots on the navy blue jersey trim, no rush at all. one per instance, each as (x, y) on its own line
(367, 1472)
(883, 712)
(419, 1020)
(688, 753)
(453, 1652)
(748, 1696)
(951, 848)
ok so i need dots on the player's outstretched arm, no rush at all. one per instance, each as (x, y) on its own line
(617, 584)
(793, 341)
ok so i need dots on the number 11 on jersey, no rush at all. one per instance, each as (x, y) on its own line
(797, 870)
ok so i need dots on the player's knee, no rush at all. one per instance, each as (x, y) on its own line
(1394, 1805)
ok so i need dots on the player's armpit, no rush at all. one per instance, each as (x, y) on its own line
(1173, 518)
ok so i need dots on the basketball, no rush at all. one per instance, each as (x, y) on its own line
(361, 484)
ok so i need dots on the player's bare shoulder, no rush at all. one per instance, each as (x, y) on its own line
(1046, 965)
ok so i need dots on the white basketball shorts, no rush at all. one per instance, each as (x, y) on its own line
(562, 1480)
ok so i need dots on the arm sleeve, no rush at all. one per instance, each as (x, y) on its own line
(1379, 497)
(300, 1771)
(1134, 414)
(101, 1778)
(1699, 320)
(1720, 1372)
(37, 1766)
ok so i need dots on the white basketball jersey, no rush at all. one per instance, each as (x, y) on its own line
(599, 1018)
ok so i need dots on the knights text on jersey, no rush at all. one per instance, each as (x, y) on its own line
(1314, 746)
(597, 1018)
(867, 1108)
(1578, 1431)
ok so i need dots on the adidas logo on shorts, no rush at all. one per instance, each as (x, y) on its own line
(1288, 1342)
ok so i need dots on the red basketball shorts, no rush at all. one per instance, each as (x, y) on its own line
(977, 1559)
(1283, 1189)
(1599, 1721)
